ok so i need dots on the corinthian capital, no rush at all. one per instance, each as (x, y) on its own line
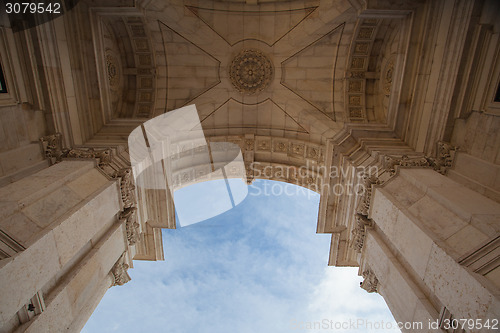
(119, 272)
(359, 232)
(370, 281)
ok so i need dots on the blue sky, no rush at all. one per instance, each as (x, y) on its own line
(259, 267)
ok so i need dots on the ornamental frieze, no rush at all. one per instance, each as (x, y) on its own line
(441, 163)
(54, 151)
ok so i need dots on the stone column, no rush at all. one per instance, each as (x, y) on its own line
(433, 247)
(60, 236)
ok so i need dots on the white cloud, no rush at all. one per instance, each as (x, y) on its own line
(262, 266)
(339, 298)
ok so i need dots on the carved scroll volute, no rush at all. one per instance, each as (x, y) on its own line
(119, 272)
(129, 217)
(364, 203)
(359, 232)
(445, 156)
(52, 147)
(127, 186)
(370, 281)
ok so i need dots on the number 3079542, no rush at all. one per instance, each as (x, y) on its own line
(32, 7)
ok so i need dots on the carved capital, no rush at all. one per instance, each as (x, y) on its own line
(129, 217)
(119, 272)
(52, 147)
(370, 281)
(366, 194)
(249, 173)
(444, 157)
(359, 232)
(127, 186)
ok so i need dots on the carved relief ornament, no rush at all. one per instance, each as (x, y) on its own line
(359, 232)
(129, 217)
(370, 281)
(119, 272)
(441, 163)
(54, 151)
(127, 187)
(364, 203)
(250, 71)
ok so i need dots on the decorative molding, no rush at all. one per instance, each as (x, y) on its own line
(441, 163)
(361, 47)
(52, 147)
(119, 272)
(359, 232)
(9, 246)
(370, 281)
(103, 155)
(391, 162)
(483, 259)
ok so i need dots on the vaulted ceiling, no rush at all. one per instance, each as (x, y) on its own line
(296, 69)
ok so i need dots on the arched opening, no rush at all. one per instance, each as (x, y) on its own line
(259, 267)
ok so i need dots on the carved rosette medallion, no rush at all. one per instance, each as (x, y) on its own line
(112, 70)
(387, 77)
(250, 71)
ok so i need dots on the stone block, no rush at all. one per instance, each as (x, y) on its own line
(463, 295)
(20, 227)
(46, 210)
(466, 240)
(88, 183)
(56, 317)
(26, 273)
(436, 217)
(403, 191)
